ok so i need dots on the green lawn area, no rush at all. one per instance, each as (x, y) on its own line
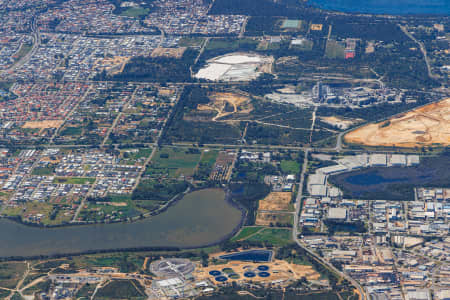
(71, 131)
(334, 50)
(131, 157)
(209, 157)
(174, 162)
(74, 180)
(24, 49)
(245, 232)
(43, 171)
(274, 236)
(222, 44)
(290, 167)
(206, 164)
(231, 44)
(135, 12)
(191, 42)
(143, 152)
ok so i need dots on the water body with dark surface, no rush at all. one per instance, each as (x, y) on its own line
(394, 183)
(389, 7)
(252, 255)
(372, 178)
(200, 218)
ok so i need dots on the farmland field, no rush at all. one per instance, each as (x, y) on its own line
(174, 162)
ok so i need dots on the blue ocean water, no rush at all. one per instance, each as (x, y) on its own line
(390, 7)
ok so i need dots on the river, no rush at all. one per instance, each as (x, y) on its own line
(200, 218)
(390, 7)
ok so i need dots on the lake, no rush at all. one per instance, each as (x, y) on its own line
(391, 7)
(394, 183)
(200, 218)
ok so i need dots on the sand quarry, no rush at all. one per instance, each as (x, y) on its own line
(426, 126)
(219, 101)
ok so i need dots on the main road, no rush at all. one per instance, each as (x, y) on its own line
(27, 57)
(295, 232)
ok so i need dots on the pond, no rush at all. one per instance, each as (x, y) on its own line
(394, 183)
(371, 178)
(200, 218)
(252, 255)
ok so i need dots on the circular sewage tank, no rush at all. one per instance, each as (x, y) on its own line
(221, 278)
(249, 274)
(214, 273)
(263, 268)
(263, 274)
(233, 276)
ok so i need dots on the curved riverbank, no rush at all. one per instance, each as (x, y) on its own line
(201, 218)
(386, 7)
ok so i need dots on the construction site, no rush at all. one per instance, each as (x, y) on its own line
(226, 104)
(425, 126)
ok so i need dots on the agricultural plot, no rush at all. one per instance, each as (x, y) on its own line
(264, 218)
(246, 232)
(205, 166)
(174, 163)
(273, 236)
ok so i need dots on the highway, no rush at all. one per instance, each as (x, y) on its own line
(27, 57)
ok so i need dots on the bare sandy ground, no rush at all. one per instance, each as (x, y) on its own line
(276, 201)
(425, 126)
(340, 122)
(43, 124)
(265, 218)
(279, 270)
(218, 102)
(169, 52)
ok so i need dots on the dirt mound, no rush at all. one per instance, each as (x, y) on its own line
(425, 126)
